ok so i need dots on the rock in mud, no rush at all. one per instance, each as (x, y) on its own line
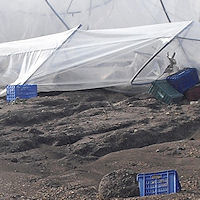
(118, 184)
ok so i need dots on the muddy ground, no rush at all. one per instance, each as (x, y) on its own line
(60, 145)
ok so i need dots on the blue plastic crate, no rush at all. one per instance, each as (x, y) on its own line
(184, 79)
(21, 92)
(164, 182)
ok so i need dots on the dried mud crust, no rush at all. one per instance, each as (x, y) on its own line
(60, 145)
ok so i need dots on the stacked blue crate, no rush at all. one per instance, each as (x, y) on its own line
(21, 92)
(184, 79)
(165, 182)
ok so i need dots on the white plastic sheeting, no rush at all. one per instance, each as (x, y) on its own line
(20, 60)
(23, 19)
(100, 58)
(100, 14)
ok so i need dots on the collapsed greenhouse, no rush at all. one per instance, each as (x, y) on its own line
(40, 46)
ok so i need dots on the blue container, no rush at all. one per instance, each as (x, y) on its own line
(165, 182)
(21, 92)
(184, 79)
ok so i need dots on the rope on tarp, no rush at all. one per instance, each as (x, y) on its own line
(51, 7)
(165, 11)
(191, 39)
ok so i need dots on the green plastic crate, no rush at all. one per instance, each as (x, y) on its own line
(164, 92)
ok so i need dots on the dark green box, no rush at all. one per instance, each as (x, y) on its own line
(164, 92)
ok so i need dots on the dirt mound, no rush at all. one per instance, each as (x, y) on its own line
(61, 137)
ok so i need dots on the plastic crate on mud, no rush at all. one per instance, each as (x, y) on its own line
(164, 182)
(21, 92)
(164, 92)
(184, 79)
(193, 94)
